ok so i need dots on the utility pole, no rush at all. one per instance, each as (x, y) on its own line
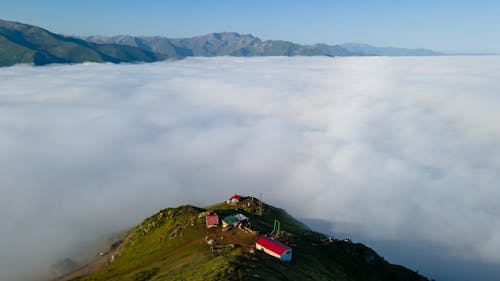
(260, 204)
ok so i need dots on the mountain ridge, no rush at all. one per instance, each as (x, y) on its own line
(176, 244)
(24, 43)
(216, 44)
(388, 51)
(236, 44)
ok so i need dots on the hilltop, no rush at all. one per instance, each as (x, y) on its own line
(175, 244)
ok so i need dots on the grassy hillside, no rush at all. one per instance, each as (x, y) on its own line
(172, 245)
(22, 43)
(12, 53)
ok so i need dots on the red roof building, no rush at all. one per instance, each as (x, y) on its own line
(234, 199)
(274, 248)
(212, 220)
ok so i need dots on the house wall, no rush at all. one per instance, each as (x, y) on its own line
(286, 256)
(267, 251)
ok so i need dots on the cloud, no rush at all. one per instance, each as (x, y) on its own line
(395, 149)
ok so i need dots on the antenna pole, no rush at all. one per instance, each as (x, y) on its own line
(260, 204)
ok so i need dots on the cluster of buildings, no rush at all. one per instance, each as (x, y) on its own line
(212, 220)
(268, 245)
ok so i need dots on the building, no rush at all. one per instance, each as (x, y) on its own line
(212, 219)
(241, 217)
(234, 220)
(229, 221)
(235, 199)
(274, 248)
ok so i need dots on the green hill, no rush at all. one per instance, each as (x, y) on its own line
(174, 243)
(22, 43)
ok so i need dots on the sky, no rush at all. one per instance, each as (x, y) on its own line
(402, 154)
(442, 25)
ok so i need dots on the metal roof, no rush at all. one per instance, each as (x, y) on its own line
(272, 245)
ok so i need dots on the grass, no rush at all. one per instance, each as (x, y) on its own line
(170, 245)
(12, 53)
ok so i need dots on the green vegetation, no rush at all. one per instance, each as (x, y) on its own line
(168, 246)
(172, 245)
(22, 43)
(146, 274)
(12, 53)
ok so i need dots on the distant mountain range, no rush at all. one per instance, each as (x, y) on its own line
(23, 43)
(388, 51)
(234, 44)
(222, 44)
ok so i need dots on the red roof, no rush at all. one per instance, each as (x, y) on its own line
(272, 245)
(236, 196)
(212, 219)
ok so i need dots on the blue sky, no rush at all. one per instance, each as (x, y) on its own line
(458, 26)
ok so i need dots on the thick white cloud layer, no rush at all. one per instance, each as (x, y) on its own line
(395, 149)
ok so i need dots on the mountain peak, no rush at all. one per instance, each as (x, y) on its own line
(230, 37)
(221, 242)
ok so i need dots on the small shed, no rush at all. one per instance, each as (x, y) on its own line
(235, 199)
(274, 248)
(229, 221)
(212, 219)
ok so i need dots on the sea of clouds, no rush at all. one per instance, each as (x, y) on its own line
(400, 150)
